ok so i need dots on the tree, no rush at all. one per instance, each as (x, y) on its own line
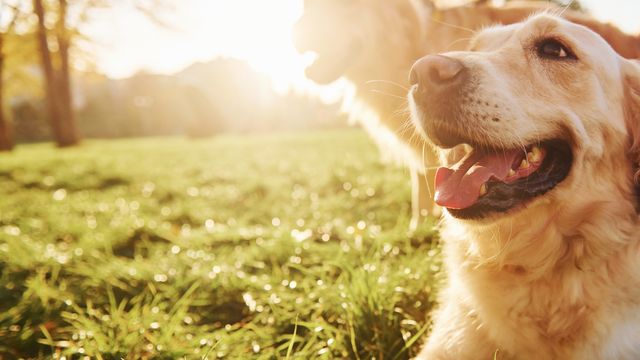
(57, 81)
(64, 41)
(6, 131)
(55, 65)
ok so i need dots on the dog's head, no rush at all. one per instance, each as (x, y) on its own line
(350, 35)
(541, 112)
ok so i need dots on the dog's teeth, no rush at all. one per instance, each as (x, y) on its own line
(524, 164)
(483, 189)
(535, 155)
(511, 172)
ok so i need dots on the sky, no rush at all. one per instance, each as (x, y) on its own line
(258, 31)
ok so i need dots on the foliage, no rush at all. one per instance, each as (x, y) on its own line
(185, 103)
(261, 247)
(21, 78)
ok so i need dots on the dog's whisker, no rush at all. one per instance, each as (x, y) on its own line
(411, 130)
(431, 167)
(387, 94)
(452, 25)
(566, 7)
(402, 111)
(403, 129)
(413, 136)
(457, 41)
(405, 125)
(424, 175)
(406, 89)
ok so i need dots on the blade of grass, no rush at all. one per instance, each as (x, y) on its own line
(47, 335)
(412, 340)
(352, 338)
(293, 339)
(204, 357)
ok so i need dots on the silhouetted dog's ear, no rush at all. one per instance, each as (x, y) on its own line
(628, 46)
(424, 9)
(427, 3)
(632, 112)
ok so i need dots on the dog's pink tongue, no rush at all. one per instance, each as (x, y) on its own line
(458, 187)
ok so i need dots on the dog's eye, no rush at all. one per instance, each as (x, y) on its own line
(553, 49)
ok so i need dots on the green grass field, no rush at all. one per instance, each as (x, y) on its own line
(238, 247)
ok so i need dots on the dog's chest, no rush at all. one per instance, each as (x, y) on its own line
(623, 341)
(536, 318)
(562, 322)
(548, 312)
(557, 313)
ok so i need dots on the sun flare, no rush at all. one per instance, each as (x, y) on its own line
(204, 29)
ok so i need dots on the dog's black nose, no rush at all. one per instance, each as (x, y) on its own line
(436, 71)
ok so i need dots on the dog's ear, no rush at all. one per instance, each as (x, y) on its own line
(632, 111)
(427, 3)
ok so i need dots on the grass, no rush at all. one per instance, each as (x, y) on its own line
(278, 246)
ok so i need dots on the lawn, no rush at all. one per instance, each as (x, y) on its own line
(239, 247)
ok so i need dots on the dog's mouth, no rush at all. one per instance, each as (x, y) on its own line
(332, 60)
(493, 180)
(325, 70)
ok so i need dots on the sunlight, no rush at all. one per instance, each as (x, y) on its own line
(199, 31)
(257, 31)
(262, 36)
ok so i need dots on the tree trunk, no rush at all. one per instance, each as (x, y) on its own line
(64, 79)
(63, 130)
(6, 134)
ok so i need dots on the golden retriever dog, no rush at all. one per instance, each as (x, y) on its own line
(373, 42)
(539, 128)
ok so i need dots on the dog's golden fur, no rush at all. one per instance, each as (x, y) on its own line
(373, 44)
(560, 278)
